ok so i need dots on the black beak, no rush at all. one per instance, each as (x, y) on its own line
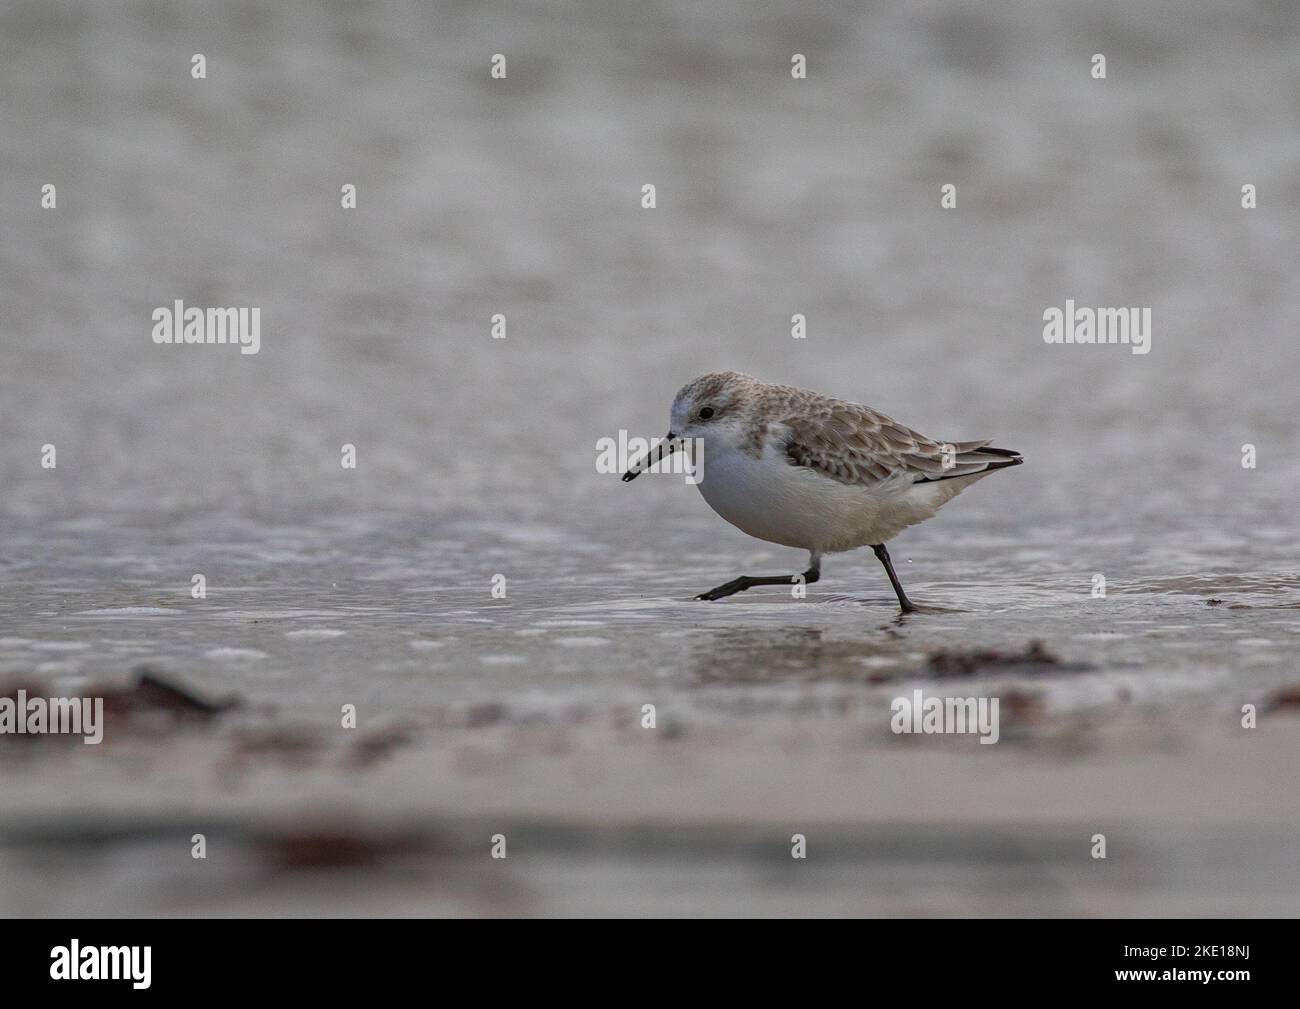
(666, 447)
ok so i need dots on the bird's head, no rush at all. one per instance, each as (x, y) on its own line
(714, 408)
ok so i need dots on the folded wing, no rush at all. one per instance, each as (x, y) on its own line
(856, 445)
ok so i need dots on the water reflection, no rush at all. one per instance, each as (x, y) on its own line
(758, 655)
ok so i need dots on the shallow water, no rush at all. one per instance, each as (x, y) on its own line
(396, 615)
(476, 457)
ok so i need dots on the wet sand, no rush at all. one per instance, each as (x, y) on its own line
(605, 818)
(523, 717)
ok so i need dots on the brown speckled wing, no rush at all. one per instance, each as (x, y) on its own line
(856, 445)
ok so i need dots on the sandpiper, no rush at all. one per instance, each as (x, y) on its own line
(805, 470)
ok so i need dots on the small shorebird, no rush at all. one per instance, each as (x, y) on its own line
(805, 470)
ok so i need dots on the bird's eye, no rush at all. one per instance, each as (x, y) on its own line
(706, 412)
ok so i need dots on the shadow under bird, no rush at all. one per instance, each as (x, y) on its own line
(804, 470)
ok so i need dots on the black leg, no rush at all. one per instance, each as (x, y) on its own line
(746, 582)
(883, 556)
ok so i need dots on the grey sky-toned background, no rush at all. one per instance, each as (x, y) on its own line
(522, 196)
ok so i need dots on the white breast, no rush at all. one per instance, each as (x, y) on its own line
(772, 500)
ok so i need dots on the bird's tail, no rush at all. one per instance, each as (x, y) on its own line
(967, 458)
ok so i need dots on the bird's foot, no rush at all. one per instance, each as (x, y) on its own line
(722, 591)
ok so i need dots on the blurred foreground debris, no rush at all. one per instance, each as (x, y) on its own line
(952, 662)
